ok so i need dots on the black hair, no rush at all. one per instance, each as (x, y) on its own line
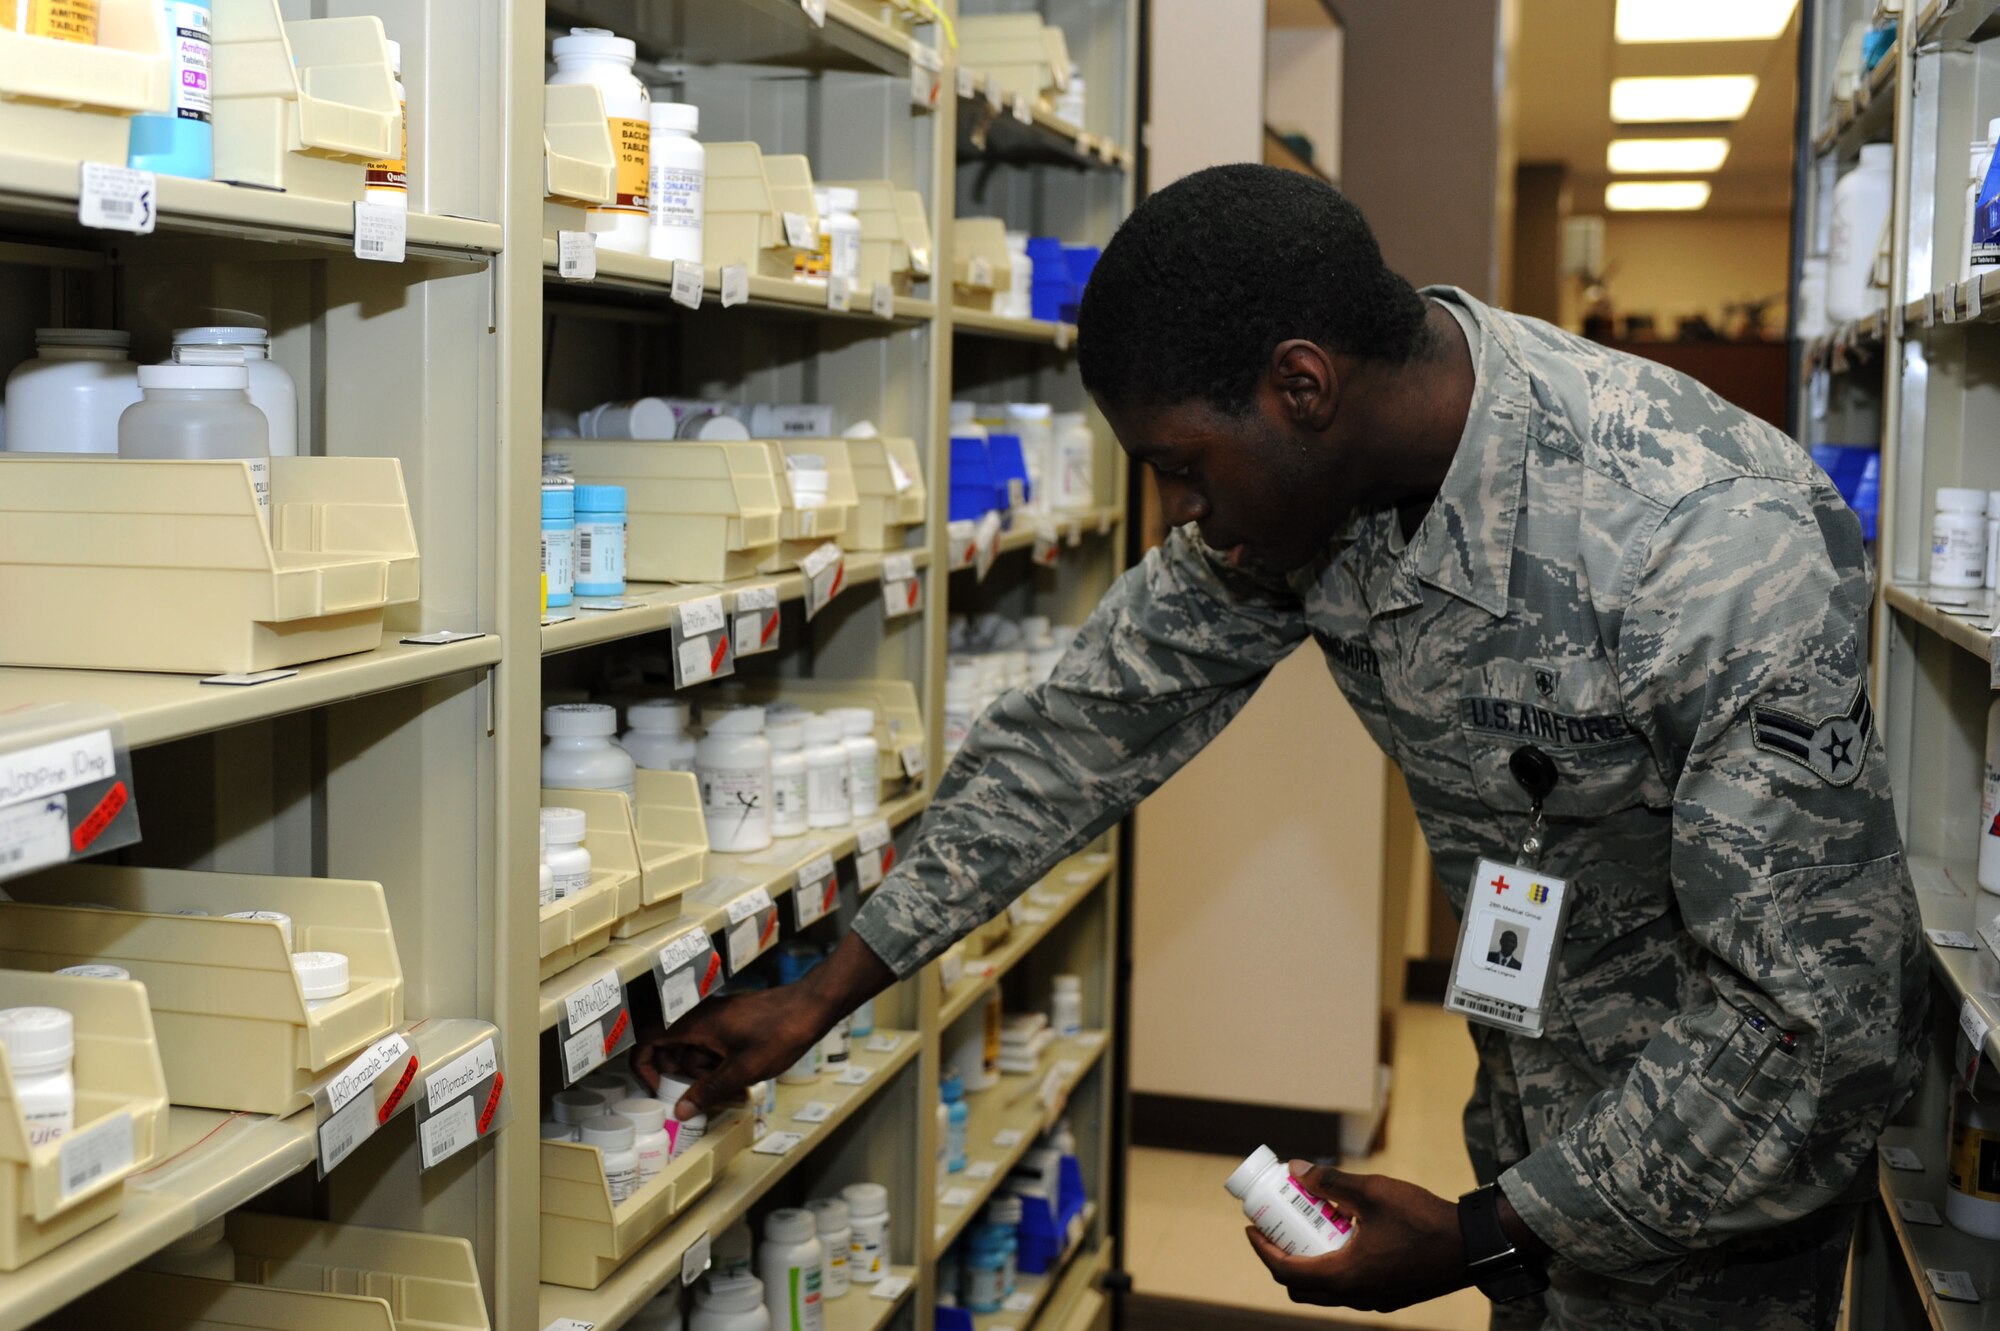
(1209, 275)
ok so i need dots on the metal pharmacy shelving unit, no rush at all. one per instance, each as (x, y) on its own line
(1920, 378)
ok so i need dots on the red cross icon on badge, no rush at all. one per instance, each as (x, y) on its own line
(1500, 884)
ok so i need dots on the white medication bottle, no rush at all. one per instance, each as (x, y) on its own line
(662, 1314)
(828, 803)
(1034, 424)
(580, 754)
(840, 232)
(613, 1137)
(1289, 1216)
(649, 1134)
(681, 1136)
(39, 1043)
(199, 412)
(730, 1303)
(1993, 538)
(277, 917)
(568, 859)
(868, 1216)
(836, 1242)
(1861, 200)
(555, 1130)
(1989, 811)
(1972, 1161)
(322, 976)
(676, 184)
(1073, 455)
(789, 1261)
(788, 777)
(733, 763)
(271, 388)
(97, 970)
(388, 181)
(204, 1254)
(864, 760)
(545, 890)
(1958, 538)
(577, 1106)
(656, 735)
(1066, 1006)
(599, 57)
(69, 397)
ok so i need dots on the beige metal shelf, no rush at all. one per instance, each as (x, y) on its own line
(1866, 119)
(1032, 1294)
(1070, 528)
(1964, 617)
(984, 323)
(775, 869)
(860, 1310)
(213, 1161)
(1938, 1246)
(48, 186)
(1974, 301)
(1044, 133)
(1067, 886)
(658, 601)
(1948, 897)
(157, 707)
(1949, 21)
(1014, 1104)
(641, 274)
(1079, 1303)
(749, 1177)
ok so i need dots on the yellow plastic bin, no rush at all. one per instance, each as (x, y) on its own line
(301, 107)
(697, 510)
(580, 924)
(585, 1238)
(578, 164)
(178, 573)
(898, 722)
(673, 848)
(233, 1028)
(889, 493)
(75, 102)
(804, 530)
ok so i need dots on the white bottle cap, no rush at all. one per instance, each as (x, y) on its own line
(822, 730)
(607, 1132)
(321, 974)
(212, 378)
(37, 1039)
(1246, 1173)
(684, 116)
(1069, 984)
(1954, 499)
(598, 43)
(277, 917)
(1993, 503)
(555, 1130)
(395, 56)
(97, 970)
(843, 198)
(787, 735)
(830, 1213)
(577, 1105)
(735, 721)
(729, 1294)
(643, 1114)
(856, 722)
(865, 1199)
(661, 716)
(564, 826)
(222, 335)
(1878, 154)
(790, 1224)
(579, 718)
(672, 1088)
(1993, 130)
(83, 337)
(1030, 411)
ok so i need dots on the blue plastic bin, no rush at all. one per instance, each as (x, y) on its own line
(1856, 471)
(1045, 1229)
(1009, 464)
(972, 486)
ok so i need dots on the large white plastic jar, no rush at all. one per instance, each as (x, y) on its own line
(1958, 538)
(868, 1215)
(1861, 201)
(568, 860)
(649, 1134)
(677, 184)
(730, 1303)
(733, 762)
(788, 778)
(39, 1043)
(1018, 301)
(580, 754)
(599, 57)
(828, 801)
(864, 759)
(271, 389)
(789, 1260)
(199, 411)
(656, 736)
(1074, 462)
(614, 1137)
(1033, 424)
(1289, 1216)
(1066, 1006)
(69, 397)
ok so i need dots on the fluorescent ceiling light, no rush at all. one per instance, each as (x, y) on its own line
(1702, 20)
(1701, 98)
(1662, 156)
(1662, 196)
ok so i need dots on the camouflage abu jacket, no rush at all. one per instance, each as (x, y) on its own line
(1667, 597)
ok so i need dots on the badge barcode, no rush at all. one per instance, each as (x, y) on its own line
(1492, 1007)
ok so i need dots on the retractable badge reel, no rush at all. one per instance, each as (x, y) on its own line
(1514, 917)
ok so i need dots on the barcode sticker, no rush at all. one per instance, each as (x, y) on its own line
(1903, 1158)
(1917, 1211)
(839, 293)
(757, 620)
(982, 1169)
(687, 283)
(882, 299)
(445, 1134)
(695, 1260)
(576, 256)
(1008, 1138)
(968, 84)
(1020, 1301)
(958, 1196)
(1023, 111)
(380, 232)
(853, 1075)
(815, 10)
(735, 285)
(344, 1131)
(777, 1143)
(889, 1287)
(361, 1074)
(799, 232)
(100, 1150)
(117, 198)
(34, 833)
(1952, 938)
(812, 1111)
(816, 891)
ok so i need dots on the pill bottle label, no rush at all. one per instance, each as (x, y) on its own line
(569, 884)
(192, 51)
(1305, 1224)
(393, 176)
(64, 20)
(985, 1288)
(681, 1137)
(652, 1159)
(732, 797)
(802, 1298)
(631, 149)
(557, 547)
(1974, 1164)
(600, 552)
(677, 196)
(865, 1258)
(788, 795)
(623, 1182)
(826, 787)
(48, 1125)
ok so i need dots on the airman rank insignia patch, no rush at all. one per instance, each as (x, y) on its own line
(1832, 748)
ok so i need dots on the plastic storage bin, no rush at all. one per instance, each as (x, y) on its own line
(698, 510)
(1010, 470)
(302, 107)
(178, 571)
(75, 102)
(117, 1071)
(803, 530)
(889, 493)
(885, 251)
(672, 837)
(1050, 290)
(232, 1025)
(974, 487)
(1081, 260)
(981, 268)
(585, 1238)
(916, 224)
(1047, 1230)
(743, 223)
(1019, 52)
(579, 166)
(898, 723)
(580, 924)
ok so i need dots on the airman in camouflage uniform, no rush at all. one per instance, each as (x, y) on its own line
(1669, 599)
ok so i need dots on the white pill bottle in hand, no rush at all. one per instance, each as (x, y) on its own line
(1279, 1205)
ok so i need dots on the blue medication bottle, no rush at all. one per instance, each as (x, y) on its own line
(952, 1091)
(182, 141)
(559, 542)
(600, 540)
(985, 1277)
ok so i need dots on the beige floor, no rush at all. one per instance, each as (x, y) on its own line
(1185, 1236)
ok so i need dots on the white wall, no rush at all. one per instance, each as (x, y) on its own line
(1207, 72)
(1302, 68)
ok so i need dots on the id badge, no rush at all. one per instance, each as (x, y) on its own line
(1507, 946)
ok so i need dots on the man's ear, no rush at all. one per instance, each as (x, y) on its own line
(1306, 384)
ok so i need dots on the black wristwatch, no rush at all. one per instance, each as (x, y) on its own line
(1500, 1270)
